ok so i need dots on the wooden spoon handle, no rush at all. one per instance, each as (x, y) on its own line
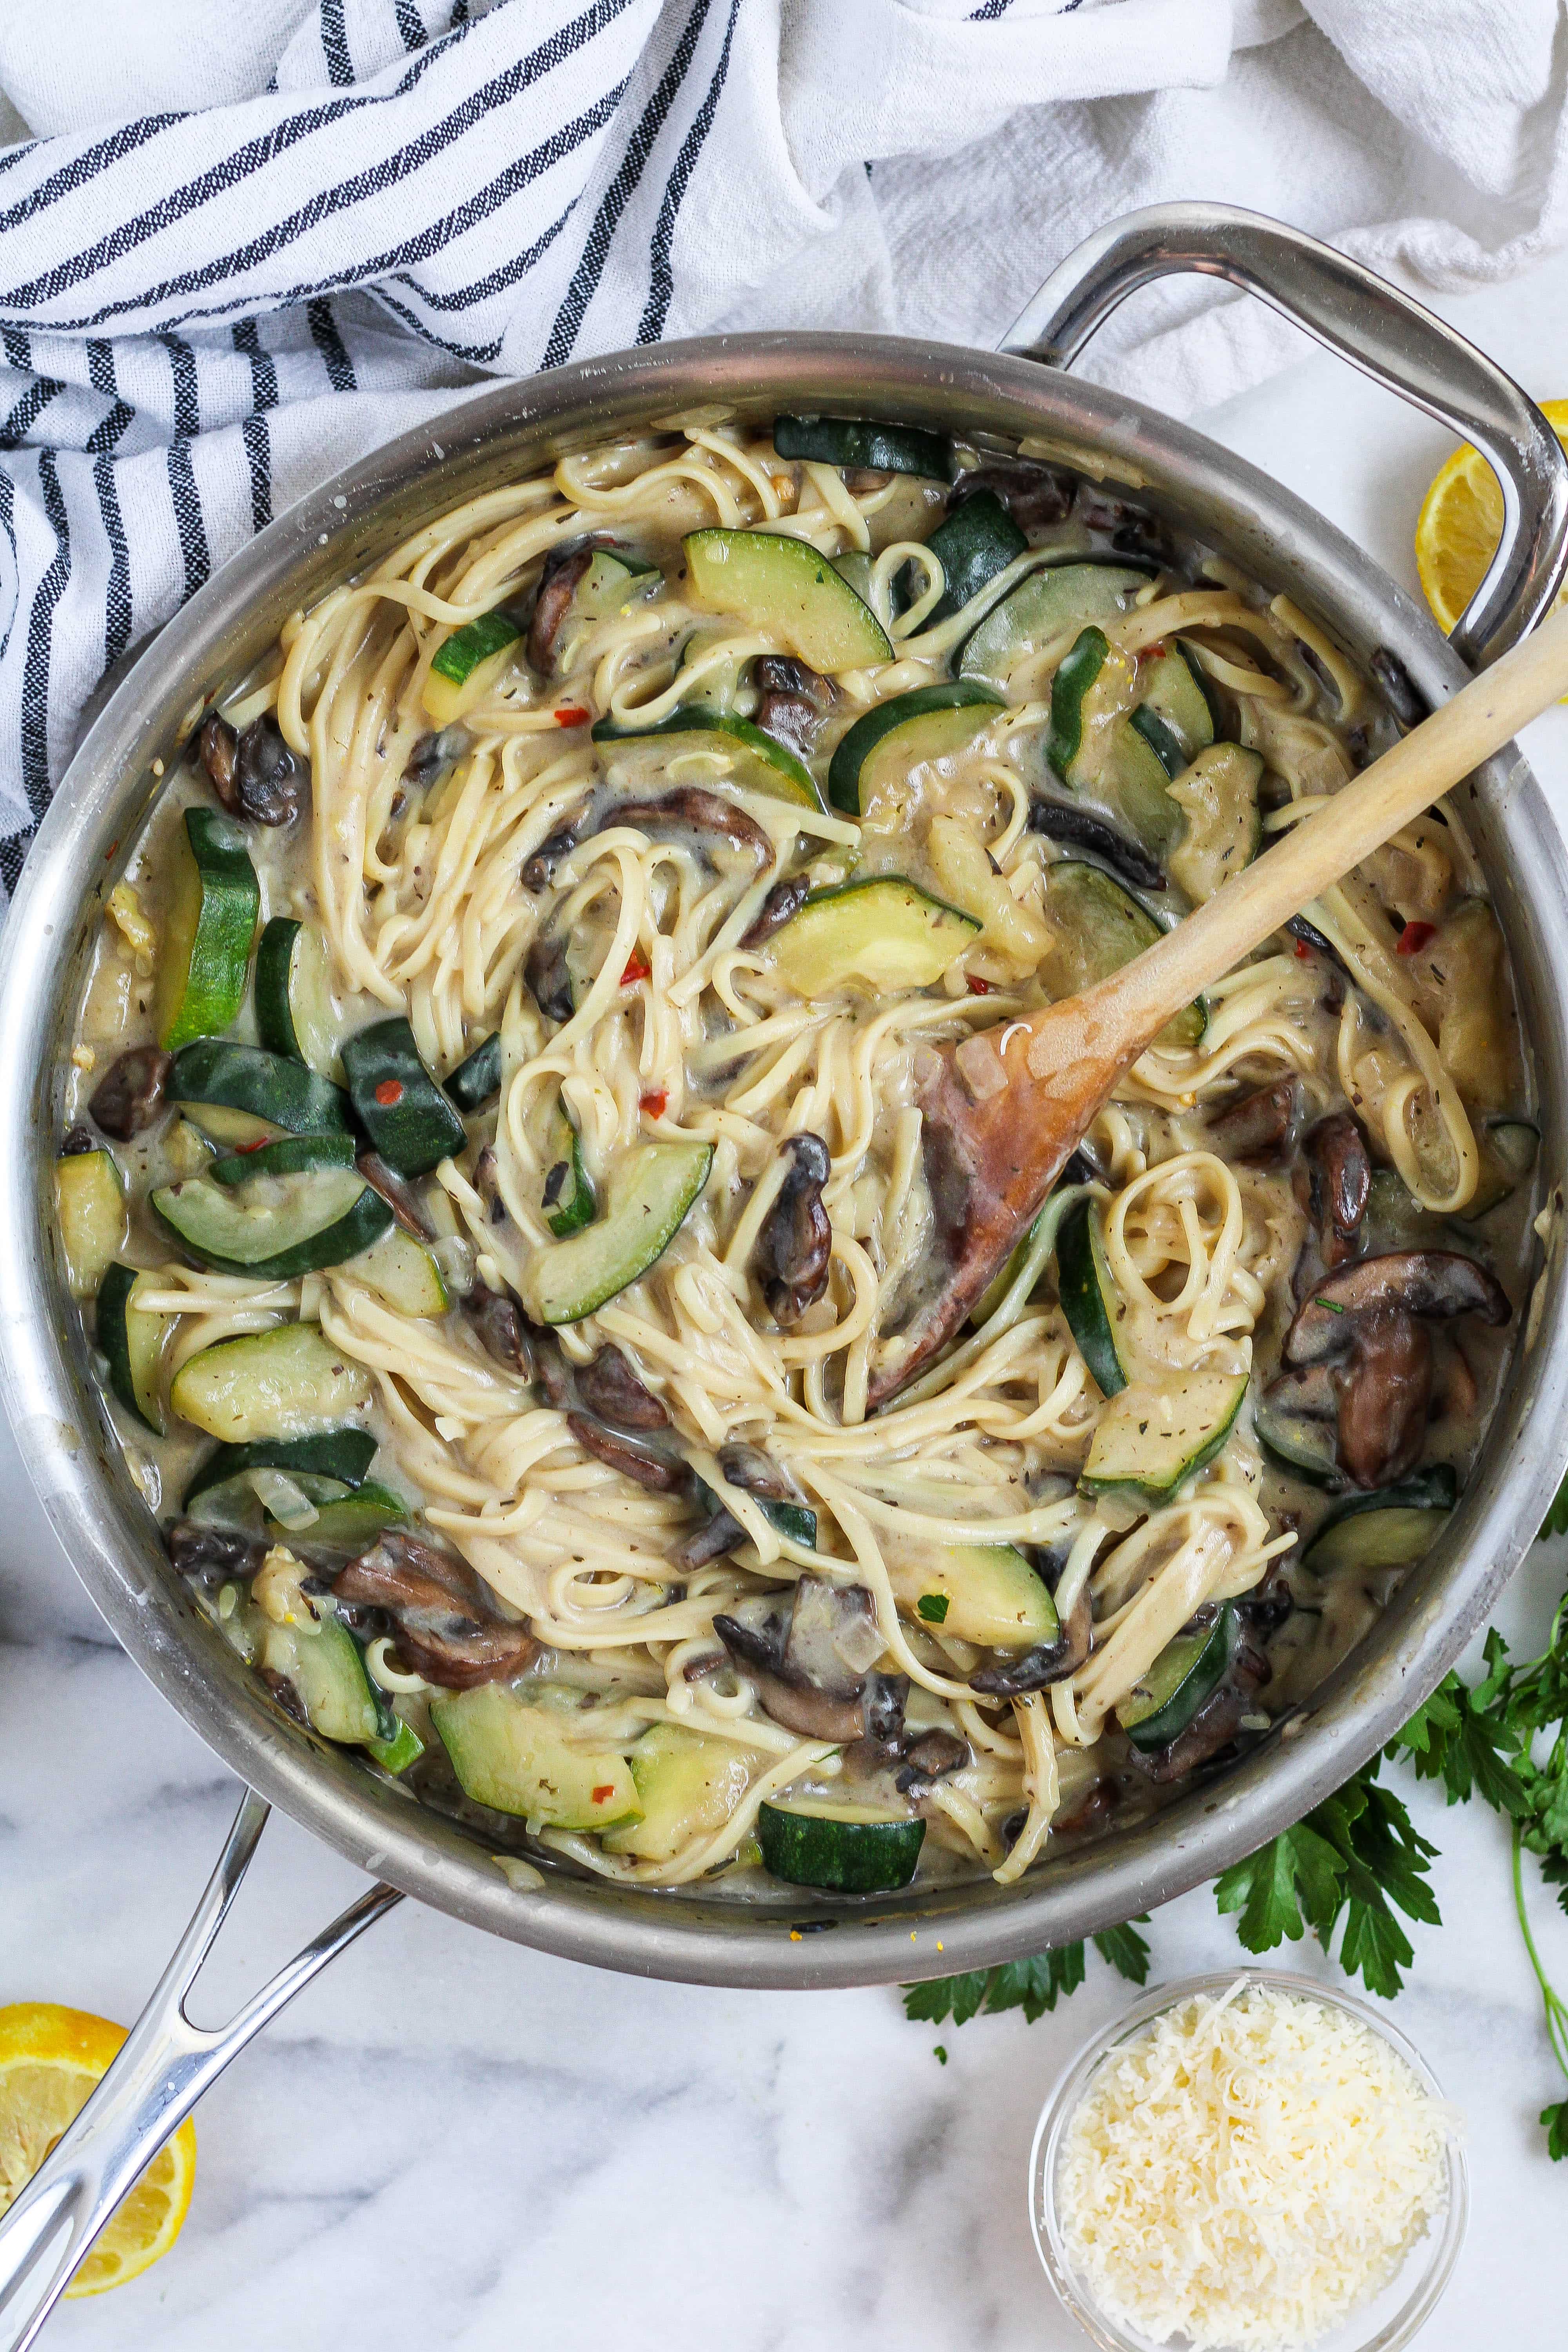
(1429, 762)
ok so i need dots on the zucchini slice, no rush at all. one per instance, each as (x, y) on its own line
(398, 1102)
(1135, 757)
(889, 740)
(89, 1204)
(1295, 1442)
(1076, 672)
(204, 952)
(569, 1199)
(782, 585)
(335, 1459)
(404, 1272)
(1218, 797)
(857, 441)
(1095, 1310)
(346, 1525)
(1391, 1528)
(755, 761)
(1176, 694)
(978, 539)
(476, 1080)
(293, 993)
(285, 1382)
(242, 1093)
(845, 1849)
(686, 1785)
(469, 664)
(324, 1218)
(513, 1756)
(327, 1668)
(1148, 1440)
(132, 1339)
(1507, 1149)
(879, 937)
(1099, 927)
(291, 1155)
(986, 1593)
(609, 585)
(1045, 606)
(1188, 1671)
(651, 1188)
(795, 1521)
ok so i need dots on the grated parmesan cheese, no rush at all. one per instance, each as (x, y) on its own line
(1248, 2171)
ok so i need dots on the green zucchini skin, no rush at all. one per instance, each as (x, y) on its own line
(291, 1155)
(858, 441)
(274, 1013)
(263, 1086)
(476, 1080)
(416, 1127)
(881, 933)
(875, 725)
(469, 646)
(1160, 739)
(116, 1339)
(978, 539)
(1412, 1512)
(1076, 673)
(1089, 1296)
(769, 766)
(795, 1521)
(649, 1194)
(202, 980)
(184, 1209)
(344, 1455)
(581, 1204)
(1186, 1674)
(840, 1857)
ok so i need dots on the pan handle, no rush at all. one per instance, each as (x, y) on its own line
(163, 2069)
(1352, 312)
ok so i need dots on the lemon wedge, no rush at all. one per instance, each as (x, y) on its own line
(1461, 523)
(51, 2059)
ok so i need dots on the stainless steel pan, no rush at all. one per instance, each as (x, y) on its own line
(1023, 393)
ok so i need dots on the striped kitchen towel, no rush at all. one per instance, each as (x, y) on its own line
(248, 243)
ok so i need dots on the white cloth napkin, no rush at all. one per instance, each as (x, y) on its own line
(248, 243)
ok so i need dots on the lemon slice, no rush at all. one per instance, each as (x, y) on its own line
(51, 2059)
(1461, 523)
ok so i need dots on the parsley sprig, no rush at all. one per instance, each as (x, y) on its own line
(1357, 1861)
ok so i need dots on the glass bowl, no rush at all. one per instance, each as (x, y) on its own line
(1389, 2321)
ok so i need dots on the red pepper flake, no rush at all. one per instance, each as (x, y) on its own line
(602, 1794)
(572, 714)
(389, 1093)
(260, 1145)
(978, 987)
(654, 1102)
(1303, 952)
(1414, 938)
(638, 967)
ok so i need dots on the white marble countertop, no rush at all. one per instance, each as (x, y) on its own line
(452, 2141)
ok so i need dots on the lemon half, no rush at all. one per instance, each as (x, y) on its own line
(51, 2059)
(1461, 525)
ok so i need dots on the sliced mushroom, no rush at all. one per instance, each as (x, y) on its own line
(689, 809)
(785, 900)
(1092, 1812)
(1309, 1395)
(808, 1657)
(1341, 1171)
(500, 1331)
(539, 870)
(398, 1193)
(1261, 1126)
(1384, 1397)
(284, 1693)
(792, 700)
(549, 981)
(254, 774)
(1132, 532)
(1035, 495)
(1439, 1283)
(1127, 860)
(794, 1248)
(926, 1757)
(657, 1473)
(75, 1140)
(609, 1387)
(446, 1626)
(558, 583)
(433, 754)
(755, 1473)
(132, 1096)
(213, 1554)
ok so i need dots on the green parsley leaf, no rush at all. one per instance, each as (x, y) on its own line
(1125, 1950)
(1555, 1522)
(933, 1607)
(1035, 1985)
(1555, 2120)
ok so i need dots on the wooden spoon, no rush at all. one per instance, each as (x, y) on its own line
(1004, 1110)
